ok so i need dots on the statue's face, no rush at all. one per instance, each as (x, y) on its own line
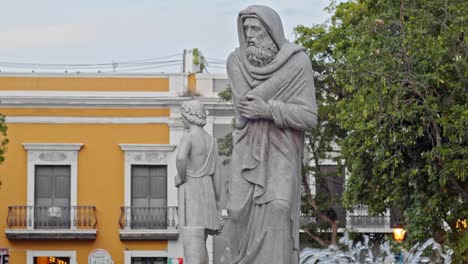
(261, 49)
(255, 32)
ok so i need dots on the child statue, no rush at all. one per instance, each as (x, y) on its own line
(196, 165)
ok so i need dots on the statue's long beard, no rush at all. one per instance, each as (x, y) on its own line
(262, 54)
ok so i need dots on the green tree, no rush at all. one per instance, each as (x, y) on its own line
(395, 75)
(320, 140)
(225, 143)
(3, 140)
(199, 59)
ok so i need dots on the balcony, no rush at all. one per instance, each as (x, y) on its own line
(148, 223)
(51, 222)
(360, 220)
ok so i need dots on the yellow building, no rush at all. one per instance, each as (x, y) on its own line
(91, 161)
(90, 165)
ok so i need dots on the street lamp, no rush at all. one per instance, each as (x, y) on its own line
(399, 233)
(461, 225)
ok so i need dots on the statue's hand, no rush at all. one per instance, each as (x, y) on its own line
(178, 181)
(254, 107)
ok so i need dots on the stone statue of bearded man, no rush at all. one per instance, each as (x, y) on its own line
(274, 102)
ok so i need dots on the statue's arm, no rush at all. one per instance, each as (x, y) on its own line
(293, 115)
(217, 181)
(299, 111)
(238, 87)
(182, 159)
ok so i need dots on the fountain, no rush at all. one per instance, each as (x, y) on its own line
(361, 252)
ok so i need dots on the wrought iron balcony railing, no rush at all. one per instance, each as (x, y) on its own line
(360, 218)
(51, 217)
(133, 217)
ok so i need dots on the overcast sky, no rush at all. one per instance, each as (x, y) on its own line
(102, 31)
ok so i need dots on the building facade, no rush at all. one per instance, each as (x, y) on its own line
(89, 172)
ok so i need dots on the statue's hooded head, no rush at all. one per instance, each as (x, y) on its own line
(194, 112)
(261, 34)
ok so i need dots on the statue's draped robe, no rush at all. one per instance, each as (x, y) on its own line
(264, 187)
(197, 203)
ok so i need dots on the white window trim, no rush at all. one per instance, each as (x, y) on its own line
(52, 154)
(129, 254)
(148, 154)
(30, 254)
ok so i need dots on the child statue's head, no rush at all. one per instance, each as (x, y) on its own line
(194, 112)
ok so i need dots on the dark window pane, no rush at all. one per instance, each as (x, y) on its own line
(52, 197)
(52, 181)
(158, 187)
(149, 181)
(140, 171)
(62, 186)
(43, 186)
(44, 170)
(140, 187)
(61, 170)
(149, 260)
(159, 171)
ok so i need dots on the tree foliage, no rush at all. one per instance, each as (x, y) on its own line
(225, 143)
(320, 141)
(199, 59)
(392, 78)
(3, 140)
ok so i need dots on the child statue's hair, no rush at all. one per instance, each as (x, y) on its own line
(194, 112)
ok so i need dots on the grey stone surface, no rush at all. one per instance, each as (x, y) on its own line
(274, 102)
(196, 179)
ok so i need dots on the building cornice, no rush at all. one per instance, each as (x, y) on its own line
(147, 147)
(53, 146)
(90, 75)
(50, 99)
(90, 120)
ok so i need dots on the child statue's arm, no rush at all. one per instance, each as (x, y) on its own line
(182, 159)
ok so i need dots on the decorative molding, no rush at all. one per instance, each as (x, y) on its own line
(53, 146)
(52, 156)
(150, 157)
(51, 99)
(81, 234)
(75, 99)
(147, 147)
(149, 234)
(90, 74)
(86, 120)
